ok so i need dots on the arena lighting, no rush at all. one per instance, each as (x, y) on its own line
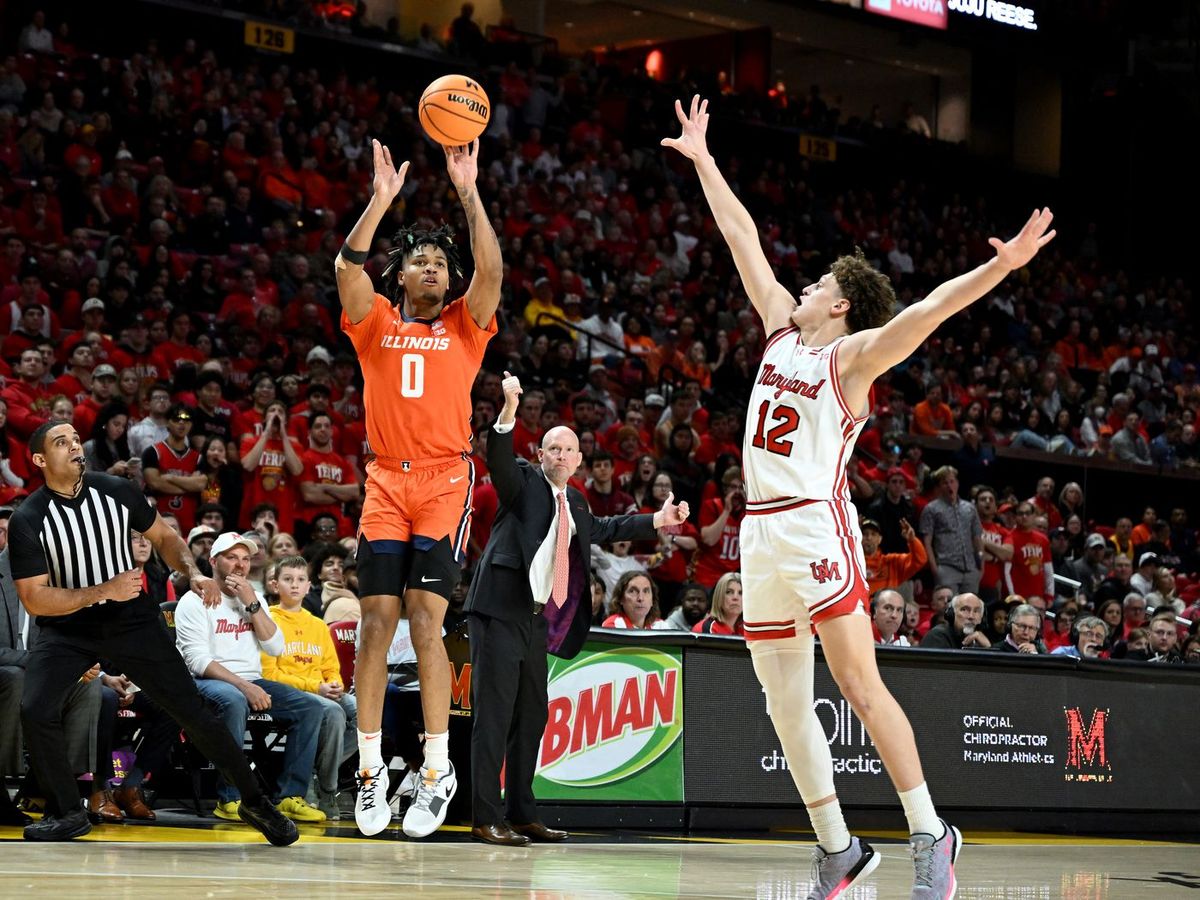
(997, 11)
(654, 64)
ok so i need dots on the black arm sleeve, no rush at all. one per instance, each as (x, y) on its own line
(25, 546)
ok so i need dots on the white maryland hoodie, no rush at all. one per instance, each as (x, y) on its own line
(222, 634)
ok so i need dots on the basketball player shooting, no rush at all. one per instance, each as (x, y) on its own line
(419, 355)
(802, 560)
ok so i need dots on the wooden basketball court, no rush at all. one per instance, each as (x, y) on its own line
(186, 856)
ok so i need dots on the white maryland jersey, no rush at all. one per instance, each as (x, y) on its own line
(799, 430)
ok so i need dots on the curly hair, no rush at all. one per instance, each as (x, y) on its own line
(869, 291)
(406, 242)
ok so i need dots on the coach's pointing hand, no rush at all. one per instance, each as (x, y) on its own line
(512, 391)
(672, 513)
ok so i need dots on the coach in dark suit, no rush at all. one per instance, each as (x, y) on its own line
(530, 596)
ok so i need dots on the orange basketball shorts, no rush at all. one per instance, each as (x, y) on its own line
(418, 502)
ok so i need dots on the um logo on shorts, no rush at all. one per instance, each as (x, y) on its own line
(824, 571)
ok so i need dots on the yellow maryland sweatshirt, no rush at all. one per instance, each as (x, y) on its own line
(308, 658)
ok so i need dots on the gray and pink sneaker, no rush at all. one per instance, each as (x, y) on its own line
(833, 874)
(933, 862)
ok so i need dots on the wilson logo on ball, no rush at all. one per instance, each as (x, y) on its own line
(480, 109)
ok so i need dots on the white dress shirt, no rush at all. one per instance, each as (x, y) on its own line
(541, 570)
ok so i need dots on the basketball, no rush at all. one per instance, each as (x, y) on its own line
(454, 110)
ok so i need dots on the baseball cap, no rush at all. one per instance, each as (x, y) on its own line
(1151, 350)
(124, 154)
(597, 367)
(1147, 558)
(200, 531)
(227, 541)
(1058, 532)
(870, 523)
(654, 400)
(1095, 540)
(319, 353)
(92, 303)
(104, 370)
(1006, 507)
(1105, 429)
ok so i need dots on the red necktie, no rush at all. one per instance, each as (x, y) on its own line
(562, 564)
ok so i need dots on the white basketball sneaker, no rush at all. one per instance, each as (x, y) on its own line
(371, 810)
(429, 806)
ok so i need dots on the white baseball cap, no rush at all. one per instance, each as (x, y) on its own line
(201, 531)
(228, 541)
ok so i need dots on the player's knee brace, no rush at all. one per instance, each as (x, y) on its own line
(785, 671)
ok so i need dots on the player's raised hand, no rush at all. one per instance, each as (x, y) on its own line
(462, 164)
(207, 589)
(1033, 237)
(692, 143)
(388, 179)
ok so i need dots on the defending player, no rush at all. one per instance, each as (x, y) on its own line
(419, 356)
(802, 562)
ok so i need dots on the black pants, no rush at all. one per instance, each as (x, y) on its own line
(508, 706)
(140, 646)
(159, 732)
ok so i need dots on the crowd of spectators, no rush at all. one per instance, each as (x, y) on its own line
(166, 283)
(169, 224)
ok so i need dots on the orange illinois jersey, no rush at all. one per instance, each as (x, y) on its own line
(417, 376)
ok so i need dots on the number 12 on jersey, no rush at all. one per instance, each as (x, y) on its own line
(775, 440)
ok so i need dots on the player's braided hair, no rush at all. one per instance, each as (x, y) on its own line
(407, 241)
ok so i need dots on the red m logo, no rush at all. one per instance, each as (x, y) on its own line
(825, 571)
(1085, 743)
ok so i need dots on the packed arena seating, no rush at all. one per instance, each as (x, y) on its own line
(170, 223)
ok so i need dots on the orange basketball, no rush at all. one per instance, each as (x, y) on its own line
(454, 110)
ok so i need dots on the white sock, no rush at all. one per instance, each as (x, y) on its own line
(369, 749)
(437, 751)
(918, 809)
(830, 826)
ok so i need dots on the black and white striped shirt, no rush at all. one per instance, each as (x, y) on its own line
(80, 542)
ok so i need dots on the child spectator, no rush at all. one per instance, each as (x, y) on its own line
(309, 662)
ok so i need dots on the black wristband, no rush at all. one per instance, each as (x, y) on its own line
(358, 257)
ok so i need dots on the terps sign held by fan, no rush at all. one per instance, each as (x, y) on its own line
(615, 727)
(1087, 748)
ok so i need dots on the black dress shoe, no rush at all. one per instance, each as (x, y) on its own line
(537, 831)
(499, 834)
(274, 825)
(59, 828)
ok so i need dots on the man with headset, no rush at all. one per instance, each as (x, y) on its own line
(1087, 639)
(960, 631)
(1024, 630)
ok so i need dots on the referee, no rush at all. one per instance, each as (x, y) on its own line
(73, 567)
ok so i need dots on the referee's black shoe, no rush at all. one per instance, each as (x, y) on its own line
(59, 828)
(276, 828)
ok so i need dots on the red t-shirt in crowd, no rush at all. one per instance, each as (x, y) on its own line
(325, 468)
(169, 461)
(993, 570)
(526, 442)
(270, 482)
(1025, 574)
(726, 554)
